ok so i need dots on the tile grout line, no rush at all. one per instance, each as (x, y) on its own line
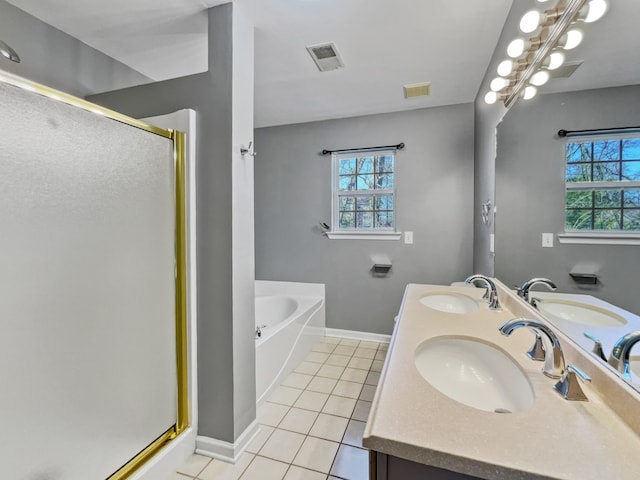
(330, 393)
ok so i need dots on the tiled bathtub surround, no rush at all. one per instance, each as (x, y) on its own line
(312, 424)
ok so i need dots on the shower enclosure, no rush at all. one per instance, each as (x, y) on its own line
(92, 287)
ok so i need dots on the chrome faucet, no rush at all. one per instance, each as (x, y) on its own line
(491, 295)
(619, 358)
(523, 291)
(554, 365)
(259, 330)
(568, 385)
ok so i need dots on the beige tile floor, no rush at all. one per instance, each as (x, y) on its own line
(311, 426)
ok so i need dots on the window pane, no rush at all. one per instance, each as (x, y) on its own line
(605, 172)
(578, 220)
(579, 199)
(365, 165)
(365, 182)
(632, 198)
(347, 182)
(347, 203)
(631, 220)
(631, 149)
(365, 203)
(384, 164)
(347, 220)
(579, 173)
(579, 152)
(364, 220)
(606, 220)
(359, 176)
(384, 202)
(347, 166)
(607, 198)
(384, 180)
(631, 170)
(606, 150)
(384, 219)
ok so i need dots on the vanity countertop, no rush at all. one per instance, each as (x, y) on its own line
(554, 439)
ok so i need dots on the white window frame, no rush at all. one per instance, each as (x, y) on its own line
(387, 233)
(597, 237)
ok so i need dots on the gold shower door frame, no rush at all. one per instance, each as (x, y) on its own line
(178, 138)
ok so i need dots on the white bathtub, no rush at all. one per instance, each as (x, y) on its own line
(294, 319)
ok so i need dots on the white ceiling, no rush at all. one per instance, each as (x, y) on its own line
(385, 44)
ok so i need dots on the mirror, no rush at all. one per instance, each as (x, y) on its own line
(603, 92)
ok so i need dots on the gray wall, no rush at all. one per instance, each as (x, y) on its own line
(55, 59)
(530, 192)
(434, 200)
(223, 343)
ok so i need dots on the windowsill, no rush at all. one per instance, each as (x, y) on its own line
(364, 235)
(600, 238)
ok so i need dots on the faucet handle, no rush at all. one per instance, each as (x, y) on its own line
(494, 303)
(535, 301)
(597, 346)
(536, 352)
(569, 387)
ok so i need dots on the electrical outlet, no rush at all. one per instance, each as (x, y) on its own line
(547, 240)
(408, 237)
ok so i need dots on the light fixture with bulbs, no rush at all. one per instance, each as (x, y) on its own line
(8, 52)
(571, 39)
(553, 61)
(530, 59)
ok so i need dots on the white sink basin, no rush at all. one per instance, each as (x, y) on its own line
(450, 302)
(566, 310)
(474, 373)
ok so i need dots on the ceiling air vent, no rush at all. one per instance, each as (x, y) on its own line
(565, 71)
(326, 56)
(417, 90)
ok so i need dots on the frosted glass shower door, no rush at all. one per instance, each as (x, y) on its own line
(87, 289)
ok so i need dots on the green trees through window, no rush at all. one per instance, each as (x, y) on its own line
(603, 185)
(364, 191)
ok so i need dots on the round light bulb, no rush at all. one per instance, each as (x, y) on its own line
(498, 84)
(540, 78)
(491, 98)
(530, 21)
(516, 48)
(596, 10)
(556, 59)
(543, 1)
(572, 39)
(529, 92)
(505, 68)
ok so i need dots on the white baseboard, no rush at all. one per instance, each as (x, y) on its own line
(225, 451)
(352, 334)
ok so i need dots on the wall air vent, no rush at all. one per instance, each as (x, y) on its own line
(565, 71)
(417, 90)
(325, 56)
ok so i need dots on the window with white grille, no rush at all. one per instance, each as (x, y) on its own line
(364, 191)
(602, 179)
